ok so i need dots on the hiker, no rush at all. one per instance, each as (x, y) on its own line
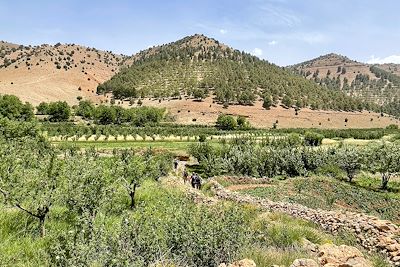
(196, 181)
(176, 162)
(185, 176)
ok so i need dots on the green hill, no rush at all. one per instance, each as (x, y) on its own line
(199, 66)
(379, 84)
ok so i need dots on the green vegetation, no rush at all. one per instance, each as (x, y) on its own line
(197, 66)
(104, 115)
(72, 208)
(12, 108)
(278, 157)
(65, 206)
(328, 193)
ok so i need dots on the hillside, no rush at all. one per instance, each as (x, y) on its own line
(376, 83)
(198, 66)
(51, 73)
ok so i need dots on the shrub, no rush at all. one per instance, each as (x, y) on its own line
(226, 122)
(313, 139)
(392, 127)
(202, 138)
(59, 111)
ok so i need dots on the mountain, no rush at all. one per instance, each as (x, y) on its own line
(55, 72)
(376, 83)
(197, 66)
(195, 79)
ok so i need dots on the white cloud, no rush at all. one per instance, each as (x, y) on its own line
(272, 43)
(389, 59)
(257, 52)
(223, 31)
(274, 15)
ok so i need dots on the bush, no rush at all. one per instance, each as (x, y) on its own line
(166, 222)
(392, 127)
(43, 108)
(202, 138)
(59, 111)
(313, 139)
(226, 122)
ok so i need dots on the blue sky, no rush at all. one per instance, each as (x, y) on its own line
(281, 31)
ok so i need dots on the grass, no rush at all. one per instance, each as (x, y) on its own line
(267, 238)
(363, 195)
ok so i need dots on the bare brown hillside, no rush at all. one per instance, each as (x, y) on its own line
(189, 111)
(59, 72)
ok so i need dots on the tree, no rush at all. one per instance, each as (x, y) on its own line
(287, 101)
(85, 109)
(29, 178)
(385, 159)
(131, 170)
(246, 97)
(86, 185)
(43, 108)
(349, 160)
(105, 115)
(242, 122)
(199, 94)
(226, 122)
(12, 108)
(313, 139)
(267, 102)
(59, 111)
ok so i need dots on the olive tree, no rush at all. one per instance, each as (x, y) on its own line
(86, 185)
(29, 178)
(385, 159)
(131, 170)
(349, 160)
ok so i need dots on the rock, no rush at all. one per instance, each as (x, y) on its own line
(241, 263)
(341, 256)
(309, 245)
(304, 263)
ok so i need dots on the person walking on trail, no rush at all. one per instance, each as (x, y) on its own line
(176, 162)
(185, 176)
(196, 181)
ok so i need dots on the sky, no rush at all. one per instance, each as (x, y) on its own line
(283, 32)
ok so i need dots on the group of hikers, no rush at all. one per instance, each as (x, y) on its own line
(193, 179)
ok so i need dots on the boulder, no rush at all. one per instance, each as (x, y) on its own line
(331, 255)
(304, 263)
(241, 263)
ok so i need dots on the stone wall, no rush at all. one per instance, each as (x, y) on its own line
(372, 233)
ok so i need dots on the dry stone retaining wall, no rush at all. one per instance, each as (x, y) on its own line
(372, 233)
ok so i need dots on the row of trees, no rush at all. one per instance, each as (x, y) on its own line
(288, 157)
(60, 111)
